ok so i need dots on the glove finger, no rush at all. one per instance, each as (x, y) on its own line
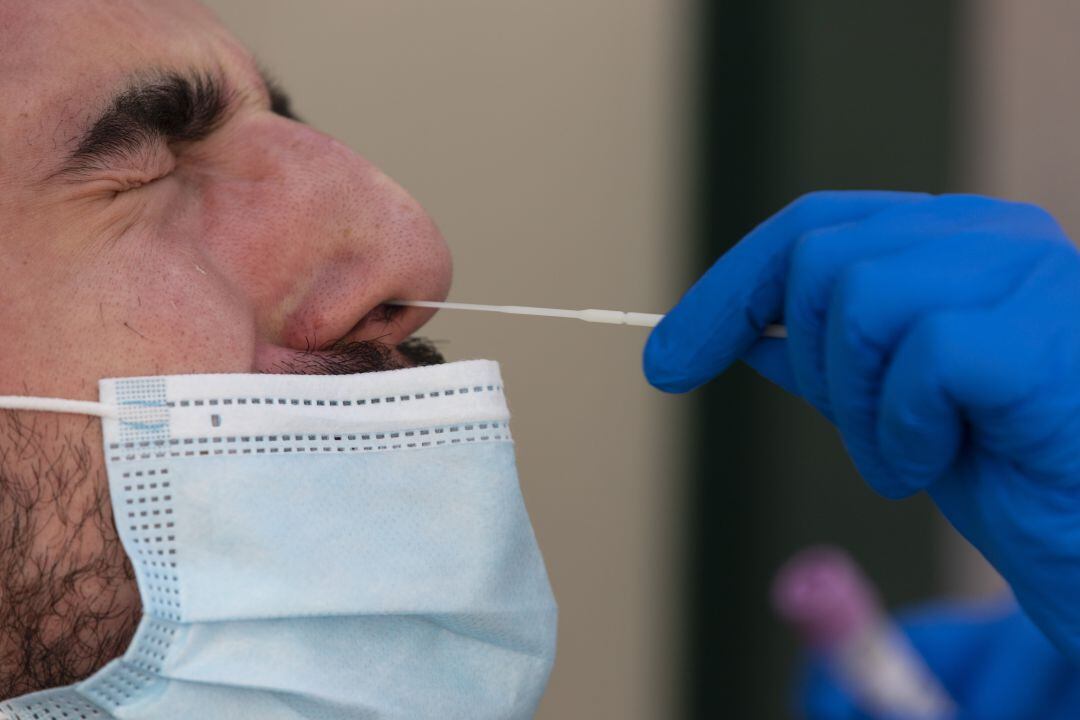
(992, 660)
(821, 697)
(875, 302)
(723, 315)
(990, 657)
(816, 262)
(954, 637)
(1020, 678)
(821, 258)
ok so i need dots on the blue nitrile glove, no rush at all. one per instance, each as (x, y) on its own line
(994, 663)
(942, 336)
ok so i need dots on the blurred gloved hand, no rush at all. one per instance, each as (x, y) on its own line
(941, 335)
(994, 662)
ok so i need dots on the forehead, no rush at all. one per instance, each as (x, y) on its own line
(63, 60)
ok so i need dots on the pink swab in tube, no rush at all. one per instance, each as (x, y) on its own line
(824, 595)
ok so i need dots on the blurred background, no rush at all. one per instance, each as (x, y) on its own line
(602, 154)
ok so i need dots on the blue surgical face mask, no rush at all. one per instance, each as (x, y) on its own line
(319, 547)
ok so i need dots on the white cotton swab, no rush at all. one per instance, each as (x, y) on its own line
(610, 317)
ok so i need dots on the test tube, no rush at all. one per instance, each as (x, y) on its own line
(824, 595)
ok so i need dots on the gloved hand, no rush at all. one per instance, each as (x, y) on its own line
(941, 335)
(994, 662)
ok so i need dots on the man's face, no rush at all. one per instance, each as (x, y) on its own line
(157, 216)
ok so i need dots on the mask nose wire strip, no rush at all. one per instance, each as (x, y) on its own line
(57, 405)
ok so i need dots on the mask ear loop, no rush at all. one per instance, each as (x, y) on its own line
(57, 405)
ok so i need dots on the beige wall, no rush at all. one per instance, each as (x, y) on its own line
(1021, 103)
(544, 139)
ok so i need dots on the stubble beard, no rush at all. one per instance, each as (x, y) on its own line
(68, 599)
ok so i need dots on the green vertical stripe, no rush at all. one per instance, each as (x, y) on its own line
(797, 96)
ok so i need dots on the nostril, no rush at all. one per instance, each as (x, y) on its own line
(381, 315)
(384, 314)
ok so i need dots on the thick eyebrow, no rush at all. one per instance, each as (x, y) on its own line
(171, 107)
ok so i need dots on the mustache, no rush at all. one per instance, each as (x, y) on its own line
(363, 356)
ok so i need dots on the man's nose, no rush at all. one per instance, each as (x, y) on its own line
(330, 239)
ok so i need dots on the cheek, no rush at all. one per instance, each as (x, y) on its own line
(187, 318)
(167, 313)
(145, 313)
